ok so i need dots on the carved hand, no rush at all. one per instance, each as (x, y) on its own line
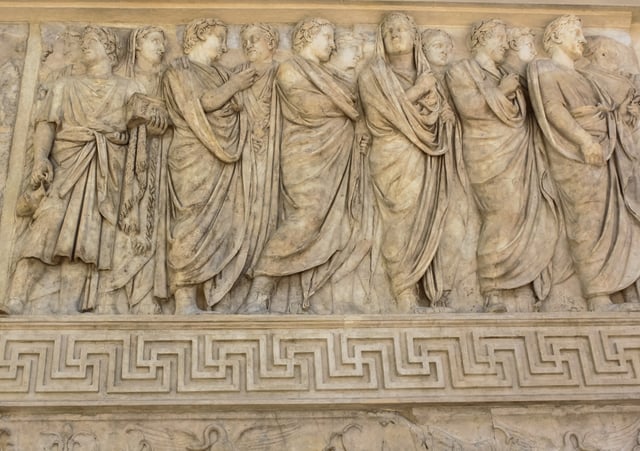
(592, 153)
(425, 82)
(448, 115)
(363, 143)
(243, 80)
(42, 172)
(157, 125)
(509, 84)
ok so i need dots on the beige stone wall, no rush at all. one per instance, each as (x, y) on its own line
(471, 381)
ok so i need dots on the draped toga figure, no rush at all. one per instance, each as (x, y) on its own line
(138, 281)
(317, 229)
(519, 222)
(594, 162)
(259, 42)
(79, 151)
(207, 244)
(412, 128)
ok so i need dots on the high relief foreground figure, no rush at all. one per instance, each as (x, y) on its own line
(412, 127)
(593, 160)
(208, 245)
(137, 281)
(520, 227)
(79, 152)
(318, 230)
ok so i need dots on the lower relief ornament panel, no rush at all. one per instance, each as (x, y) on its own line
(321, 383)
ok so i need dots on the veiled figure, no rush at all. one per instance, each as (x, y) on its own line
(317, 230)
(207, 244)
(412, 128)
(79, 151)
(137, 282)
(594, 162)
(519, 225)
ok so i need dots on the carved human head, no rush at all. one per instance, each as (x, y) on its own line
(522, 41)
(348, 51)
(150, 43)
(105, 37)
(437, 46)
(71, 45)
(259, 41)
(315, 36)
(564, 33)
(603, 52)
(489, 37)
(399, 32)
(211, 33)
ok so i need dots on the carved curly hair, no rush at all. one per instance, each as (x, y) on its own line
(305, 30)
(482, 30)
(551, 31)
(107, 38)
(198, 30)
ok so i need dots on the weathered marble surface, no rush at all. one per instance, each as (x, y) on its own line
(260, 230)
(456, 380)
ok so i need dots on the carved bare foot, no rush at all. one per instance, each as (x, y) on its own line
(407, 301)
(188, 310)
(493, 304)
(12, 307)
(257, 301)
(255, 305)
(106, 309)
(600, 303)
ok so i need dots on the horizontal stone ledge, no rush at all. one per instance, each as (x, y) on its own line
(90, 360)
(398, 321)
(441, 13)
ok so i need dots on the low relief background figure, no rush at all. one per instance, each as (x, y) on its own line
(460, 224)
(12, 51)
(207, 170)
(412, 128)
(260, 43)
(138, 278)
(593, 161)
(519, 224)
(318, 232)
(79, 149)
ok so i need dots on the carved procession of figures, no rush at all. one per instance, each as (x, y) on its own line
(351, 174)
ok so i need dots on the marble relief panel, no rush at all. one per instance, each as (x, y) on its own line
(479, 429)
(314, 168)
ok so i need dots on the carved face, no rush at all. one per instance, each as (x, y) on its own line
(398, 37)
(72, 48)
(526, 48)
(439, 51)
(215, 43)
(151, 47)
(571, 40)
(322, 44)
(257, 45)
(495, 44)
(347, 56)
(93, 50)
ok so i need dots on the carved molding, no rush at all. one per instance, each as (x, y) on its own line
(301, 361)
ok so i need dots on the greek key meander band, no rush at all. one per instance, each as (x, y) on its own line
(288, 361)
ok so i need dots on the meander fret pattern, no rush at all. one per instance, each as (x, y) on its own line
(296, 366)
